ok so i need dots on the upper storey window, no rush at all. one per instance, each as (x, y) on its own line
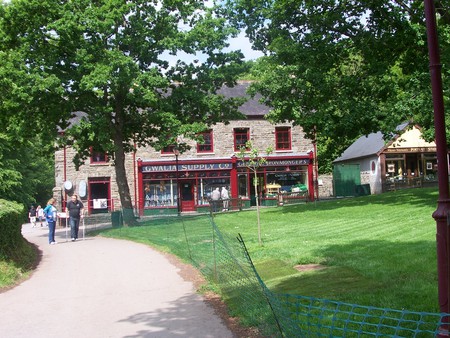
(283, 138)
(98, 156)
(241, 136)
(207, 146)
(168, 149)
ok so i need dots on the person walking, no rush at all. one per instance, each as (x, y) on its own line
(32, 216)
(40, 215)
(225, 198)
(215, 197)
(51, 216)
(75, 210)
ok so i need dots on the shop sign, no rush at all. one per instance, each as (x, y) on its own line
(411, 150)
(186, 167)
(275, 163)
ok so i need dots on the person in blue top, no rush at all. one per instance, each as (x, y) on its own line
(50, 213)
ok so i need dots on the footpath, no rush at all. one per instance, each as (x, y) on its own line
(100, 287)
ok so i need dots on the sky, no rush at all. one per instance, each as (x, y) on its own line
(241, 42)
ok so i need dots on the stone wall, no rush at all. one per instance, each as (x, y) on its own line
(262, 134)
(326, 188)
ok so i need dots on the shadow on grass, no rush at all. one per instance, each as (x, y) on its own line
(407, 197)
(372, 273)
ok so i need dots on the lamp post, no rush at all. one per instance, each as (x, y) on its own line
(442, 212)
(176, 151)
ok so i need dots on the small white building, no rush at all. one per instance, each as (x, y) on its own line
(372, 165)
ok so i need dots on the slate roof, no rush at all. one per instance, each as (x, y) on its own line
(250, 108)
(367, 145)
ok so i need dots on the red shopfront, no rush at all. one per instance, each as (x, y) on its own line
(162, 184)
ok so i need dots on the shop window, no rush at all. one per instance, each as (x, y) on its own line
(241, 136)
(283, 138)
(160, 193)
(243, 185)
(206, 187)
(288, 181)
(98, 156)
(207, 145)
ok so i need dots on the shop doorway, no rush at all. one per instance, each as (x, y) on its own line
(187, 195)
(411, 165)
(99, 196)
(260, 178)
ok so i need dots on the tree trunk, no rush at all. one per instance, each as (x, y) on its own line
(122, 181)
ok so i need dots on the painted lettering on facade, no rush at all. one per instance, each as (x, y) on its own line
(186, 167)
(276, 163)
(411, 150)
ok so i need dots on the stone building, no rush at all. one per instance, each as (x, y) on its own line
(167, 182)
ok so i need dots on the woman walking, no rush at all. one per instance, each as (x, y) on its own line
(50, 214)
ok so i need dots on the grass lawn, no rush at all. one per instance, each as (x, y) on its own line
(18, 265)
(376, 250)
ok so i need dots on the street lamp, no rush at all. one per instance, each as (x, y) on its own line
(176, 151)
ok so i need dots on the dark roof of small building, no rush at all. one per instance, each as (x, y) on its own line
(367, 145)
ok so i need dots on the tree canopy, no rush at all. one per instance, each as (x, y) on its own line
(344, 68)
(109, 60)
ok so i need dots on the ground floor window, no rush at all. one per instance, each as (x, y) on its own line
(401, 167)
(288, 181)
(272, 181)
(207, 185)
(160, 193)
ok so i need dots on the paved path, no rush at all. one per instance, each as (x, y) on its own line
(101, 287)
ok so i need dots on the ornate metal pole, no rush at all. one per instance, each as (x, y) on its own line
(176, 151)
(442, 211)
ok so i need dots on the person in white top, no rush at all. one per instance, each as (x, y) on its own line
(40, 215)
(225, 198)
(215, 196)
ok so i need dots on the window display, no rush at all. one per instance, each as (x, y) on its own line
(160, 194)
(206, 187)
(287, 182)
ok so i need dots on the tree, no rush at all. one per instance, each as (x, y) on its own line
(26, 169)
(253, 160)
(26, 152)
(347, 68)
(108, 59)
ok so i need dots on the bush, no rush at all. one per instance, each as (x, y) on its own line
(13, 247)
(11, 215)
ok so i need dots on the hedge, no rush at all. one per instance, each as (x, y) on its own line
(11, 218)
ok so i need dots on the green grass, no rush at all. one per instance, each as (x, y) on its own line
(18, 265)
(378, 250)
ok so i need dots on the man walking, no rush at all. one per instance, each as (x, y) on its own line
(75, 209)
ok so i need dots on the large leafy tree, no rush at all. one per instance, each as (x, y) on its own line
(26, 149)
(343, 68)
(108, 59)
